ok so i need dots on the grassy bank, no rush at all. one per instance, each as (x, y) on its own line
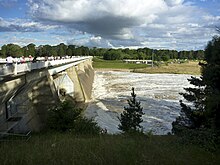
(115, 64)
(55, 148)
(190, 67)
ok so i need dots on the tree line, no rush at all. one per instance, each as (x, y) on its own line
(107, 54)
(43, 50)
(148, 54)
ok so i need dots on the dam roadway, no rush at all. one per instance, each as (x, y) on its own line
(28, 90)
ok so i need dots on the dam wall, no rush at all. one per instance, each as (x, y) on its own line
(25, 100)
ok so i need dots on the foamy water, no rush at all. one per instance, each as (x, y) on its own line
(158, 93)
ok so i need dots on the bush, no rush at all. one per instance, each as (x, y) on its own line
(86, 127)
(63, 116)
(66, 117)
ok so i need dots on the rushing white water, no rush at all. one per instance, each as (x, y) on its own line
(158, 93)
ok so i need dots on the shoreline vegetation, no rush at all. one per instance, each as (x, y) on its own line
(188, 67)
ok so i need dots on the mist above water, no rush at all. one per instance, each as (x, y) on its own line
(158, 93)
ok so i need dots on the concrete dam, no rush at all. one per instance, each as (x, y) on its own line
(28, 90)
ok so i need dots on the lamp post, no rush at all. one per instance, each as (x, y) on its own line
(152, 62)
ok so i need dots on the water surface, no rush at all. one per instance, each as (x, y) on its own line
(158, 93)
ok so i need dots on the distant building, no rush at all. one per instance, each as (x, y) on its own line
(148, 62)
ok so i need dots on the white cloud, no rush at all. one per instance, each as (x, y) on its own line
(93, 41)
(87, 10)
(19, 39)
(109, 18)
(174, 2)
(21, 25)
(125, 22)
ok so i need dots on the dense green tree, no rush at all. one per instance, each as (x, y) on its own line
(126, 50)
(93, 52)
(3, 51)
(47, 50)
(31, 50)
(192, 116)
(14, 50)
(69, 52)
(211, 77)
(84, 51)
(54, 51)
(24, 51)
(130, 119)
(61, 49)
(165, 55)
(113, 54)
(28, 50)
(141, 56)
(73, 49)
(205, 96)
(199, 54)
(39, 51)
(78, 51)
(100, 51)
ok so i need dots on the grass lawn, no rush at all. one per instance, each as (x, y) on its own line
(57, 148)
(115, 64)
(191, 67)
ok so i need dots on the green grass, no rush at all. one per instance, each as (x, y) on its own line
(115, 64)
(57, 148)
(191, 67)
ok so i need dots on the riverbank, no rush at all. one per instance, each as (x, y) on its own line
(191, 67)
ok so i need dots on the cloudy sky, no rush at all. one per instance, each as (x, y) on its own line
(160, 24)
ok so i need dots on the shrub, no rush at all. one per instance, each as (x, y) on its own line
(63, 116)
(66, 117)
(86, 126)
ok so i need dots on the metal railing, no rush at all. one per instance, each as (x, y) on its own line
(16, 68)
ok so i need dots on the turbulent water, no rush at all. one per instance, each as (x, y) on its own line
(158, 93)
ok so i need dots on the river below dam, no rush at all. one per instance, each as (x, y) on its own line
(158, 94)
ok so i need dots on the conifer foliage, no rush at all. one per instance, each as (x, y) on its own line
(204, 112)
(192, 116)
(131, 117)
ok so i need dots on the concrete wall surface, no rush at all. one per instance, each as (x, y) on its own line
(30, 96)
